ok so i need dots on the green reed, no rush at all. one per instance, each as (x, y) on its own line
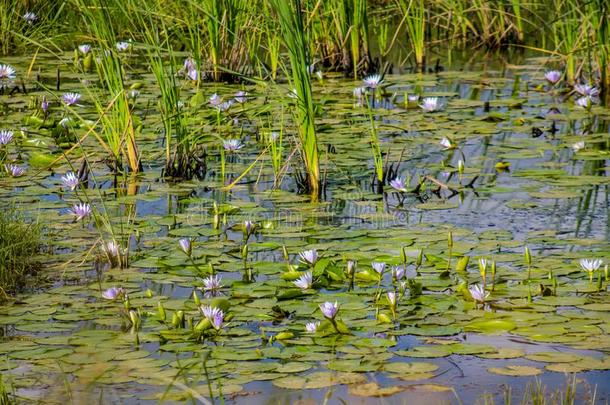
(414, 14)
(118, 126)
(351, 22)
(568, 35)
(226, 23)
(295, 39)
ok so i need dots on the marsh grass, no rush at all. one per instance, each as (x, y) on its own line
(117, 125)
(19, 243)
(295, 39)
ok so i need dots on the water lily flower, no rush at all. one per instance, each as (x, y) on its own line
(391, 298)
(193, 74)
(84, 49)
(70, 98)
(186, 246)
(412, 98)
(70, 180)
(373, 81)
(586, 90)
(218, 320)
(398, 184)
(7, 72)
(112, 249)
(81, 211)
(241, 97)
(30, 17)
(578, 146)
(305, 281)
(329, 310)
(212, 283)
(309, 257)
(312, 327)
(210, 312)
(446, 143)
(410, 273)
(478, 293)
(351, 267)
(215, 100)
(359, 92)
(430, 104)
(122, 46)
(232, 145)
(585, 102)
(5, 137)
(14, 170)
(248, 227)
(189, 63)
(553, 76)
(113, 293)
(398, 272)
(44, 105)
(379, 267)
(590, 265)
(224, 106)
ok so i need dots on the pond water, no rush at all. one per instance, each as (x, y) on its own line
(524, 183)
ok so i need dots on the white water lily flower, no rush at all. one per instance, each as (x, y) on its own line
(478, 293)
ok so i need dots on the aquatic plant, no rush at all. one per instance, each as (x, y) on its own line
(553, 76)
(309, 257)
(305, 281)
(312, 327)
(591, 266)
(329, 310)
(414, 17)
(114, 293)
(290, 17)
(14, 170)
(20, 242)
(70, 180)
(5, 137)
(81, 211)
(478, 293)
(431, 104)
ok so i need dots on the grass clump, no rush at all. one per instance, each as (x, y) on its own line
(19, 244)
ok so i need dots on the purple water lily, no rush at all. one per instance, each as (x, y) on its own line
(379, 267)
(212, 284)
(312, 327)
(14, 170)
(70, 98)
(5, 137)
(186, 246)
(373, 81)
(398, 184)
(70, 180)
(241, 96)
(553, 76)
(232, 145)
(84, 49)
(309, 257)
(7, 72)
(305, 281)
(113, 293)
(478, 293)
(81, 211)
(329, 310)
